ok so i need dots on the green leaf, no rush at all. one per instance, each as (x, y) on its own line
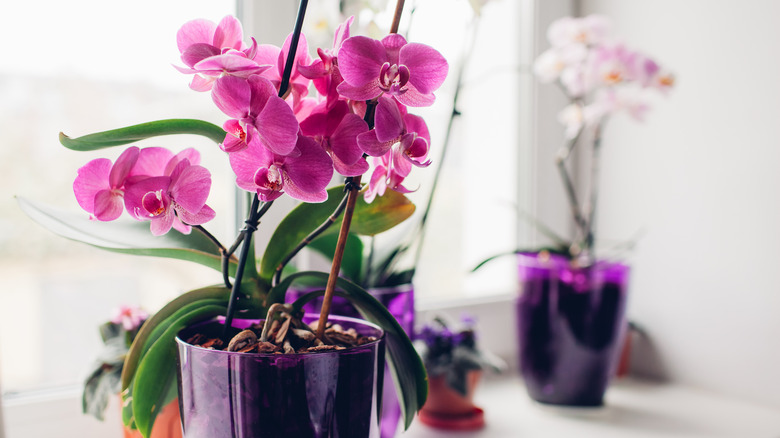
(408, 371)
(132, 134)
(352, 261)
(368, 219)
(551, 249)
(150, 333)
(126, 237)
(156, 372)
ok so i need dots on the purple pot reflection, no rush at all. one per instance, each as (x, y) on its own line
(571, 322)
(399, 301)
(239, 395)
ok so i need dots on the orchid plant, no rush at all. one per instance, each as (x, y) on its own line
(105, 379)
(280, 138)
(450, 351)
(600, 78)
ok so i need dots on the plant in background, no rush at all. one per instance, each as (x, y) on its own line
(105, 380)
(452, 352)
(601, 78)
(279, 139)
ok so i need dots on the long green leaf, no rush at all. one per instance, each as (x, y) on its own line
(132, 134)
(126, 237)
(369, 219)
(408, 371)
(155, 373)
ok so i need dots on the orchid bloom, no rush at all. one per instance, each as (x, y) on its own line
(211, 50)
(100, 186)
(410, 72)
(259, 115)
(174, 201)
(407, 130)
(336, 130)
(303, 174)
(382, 178)
(129, 317)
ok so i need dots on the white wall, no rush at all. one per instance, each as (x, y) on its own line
(701, 178)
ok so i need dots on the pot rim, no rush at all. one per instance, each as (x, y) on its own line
(221, 320)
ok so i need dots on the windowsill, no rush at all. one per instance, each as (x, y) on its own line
(634, 409)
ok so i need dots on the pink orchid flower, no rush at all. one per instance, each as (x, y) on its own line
(175, 201)
(303, 175)
(336, 130)
(211, 50)
(391, 128)
(100, 186)
(382, 178)
(611, 65)
(130, 317)
(259, 115)
(410, 72)
(324, 72)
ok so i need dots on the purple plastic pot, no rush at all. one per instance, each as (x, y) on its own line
(239, 395)
(399, 300)
(571, 322)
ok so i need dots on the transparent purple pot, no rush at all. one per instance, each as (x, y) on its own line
(331, 394)
(399, 300)
(571, 322)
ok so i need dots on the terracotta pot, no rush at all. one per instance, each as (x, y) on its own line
(167, 424)
(446, 408)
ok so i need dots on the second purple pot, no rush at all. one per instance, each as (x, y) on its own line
(571, 322)
(316, 395)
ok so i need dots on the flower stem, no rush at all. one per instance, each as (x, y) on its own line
(249, 228)
(253, 218)
(353, 187)
(290, 62)
(399, 9)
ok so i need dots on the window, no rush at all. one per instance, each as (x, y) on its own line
(69, 72)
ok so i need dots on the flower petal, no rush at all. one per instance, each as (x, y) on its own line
(229, 33)
(366, 91)
(152, 162)
(193, 32)
(427, 66)
(108, 205)
(277, 126)
(201, 217)
(388, 122)
(343, 141)
(307, 176)
(232, 96)
(360, 60)
(190, 188)
(91, 179)
(121, 169)
(370, 145)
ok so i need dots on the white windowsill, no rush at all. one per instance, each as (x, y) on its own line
(633, 409)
